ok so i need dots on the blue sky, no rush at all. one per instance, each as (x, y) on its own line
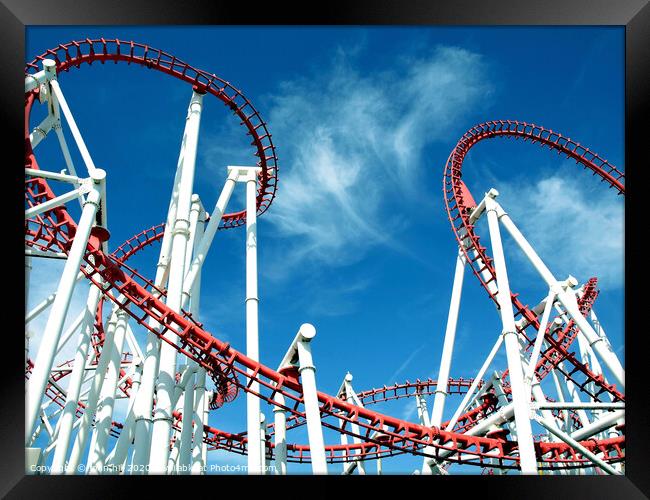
(357, 241)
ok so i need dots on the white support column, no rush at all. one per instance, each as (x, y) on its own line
(54, 115)
(352, 396)
(56, 202)
(183, 464)
(574, 444)
(447, 353)
(262, 431)
(423, 413)
(560, 391)
(538, 395)
(206, 414)
(81, 145)
(106, 403)
(598, 327)
(528, 462)
(472, 388)
(85, 421)
(197, 221)
(606, 421)
(203, 243)
(28, 268)
(448, 346)
(539, 340)
(567, 298)
(54, 326)
(47, 302)
(200, 402)
(307, 372)
(280, 420)
(575, 396)
(40, 132)
(249, 175)
(162, 422)
(144, 402)
(67, 335)
(119, 454)
(76, 378)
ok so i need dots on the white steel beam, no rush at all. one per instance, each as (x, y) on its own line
(162, 422)
(280, 437)
(567, 299)
(60, 306)
(249, 176)
(76, 378)
(106, 402)
(574, 444)
(528, 462)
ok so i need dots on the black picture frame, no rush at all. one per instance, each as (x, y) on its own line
(15, 15)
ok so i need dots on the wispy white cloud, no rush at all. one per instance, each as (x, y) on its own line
(575, 227)
(349, 139)
(407, 362)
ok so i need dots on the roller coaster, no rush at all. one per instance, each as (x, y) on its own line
(558, 406)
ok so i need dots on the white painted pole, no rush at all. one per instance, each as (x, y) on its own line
(352, 396)
(162, 422)
(203, 243)
(54, 326)
(423, 414)
(262, 432)
(119, 454)
(144, 402)
(76, 378)
(55, 202)
(448, 346)
(579, 406)
(198, 466)
(606, 421)
(200, 392)
(567, 298)
(86, 419)
(539, 340)
(206, 414)
(307, 372)
(475, 383)
(47, 302)
(252, 325)
(280, 442)
(67, 335)
(84, 424)
(574, 444)
(184, 464)
(106, 402)
(85, 155)
(28, 268)
(528, 462)
(40, 132)
(54, 111)
(598, 327)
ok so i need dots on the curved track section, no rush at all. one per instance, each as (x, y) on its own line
(459, 204)
(74, 54)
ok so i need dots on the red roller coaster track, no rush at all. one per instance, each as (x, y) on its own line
(382, 435)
